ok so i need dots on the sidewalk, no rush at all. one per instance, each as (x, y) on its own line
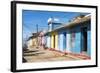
(38, 55)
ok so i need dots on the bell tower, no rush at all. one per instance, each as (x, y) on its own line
(50, 24)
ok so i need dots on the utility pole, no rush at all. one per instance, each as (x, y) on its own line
(37, 34)
(37, 27)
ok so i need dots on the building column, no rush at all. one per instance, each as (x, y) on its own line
(78, 41)
(56, 41)
(52, 41)
(68, 42)
(61, 42)
(48, 41)
(89, 43)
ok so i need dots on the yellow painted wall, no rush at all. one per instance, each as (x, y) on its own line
(56, 41)
(52, 40)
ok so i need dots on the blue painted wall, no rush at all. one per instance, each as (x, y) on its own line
(77, 47)
(89, 43)
(61, 42)
(77, 43)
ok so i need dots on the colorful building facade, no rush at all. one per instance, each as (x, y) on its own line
(74, 37)
(36, 40)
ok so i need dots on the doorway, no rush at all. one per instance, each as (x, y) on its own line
(84, 39)
(64, 41)
(54, 42)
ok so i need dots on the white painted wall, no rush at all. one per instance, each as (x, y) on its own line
(50, 27)
(48, 41)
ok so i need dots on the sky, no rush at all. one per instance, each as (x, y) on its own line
(32, 18)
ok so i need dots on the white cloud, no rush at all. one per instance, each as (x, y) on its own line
(56, 19)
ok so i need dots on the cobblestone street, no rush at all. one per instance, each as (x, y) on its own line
(38, 55)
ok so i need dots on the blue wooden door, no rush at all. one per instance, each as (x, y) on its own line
(64, 41)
